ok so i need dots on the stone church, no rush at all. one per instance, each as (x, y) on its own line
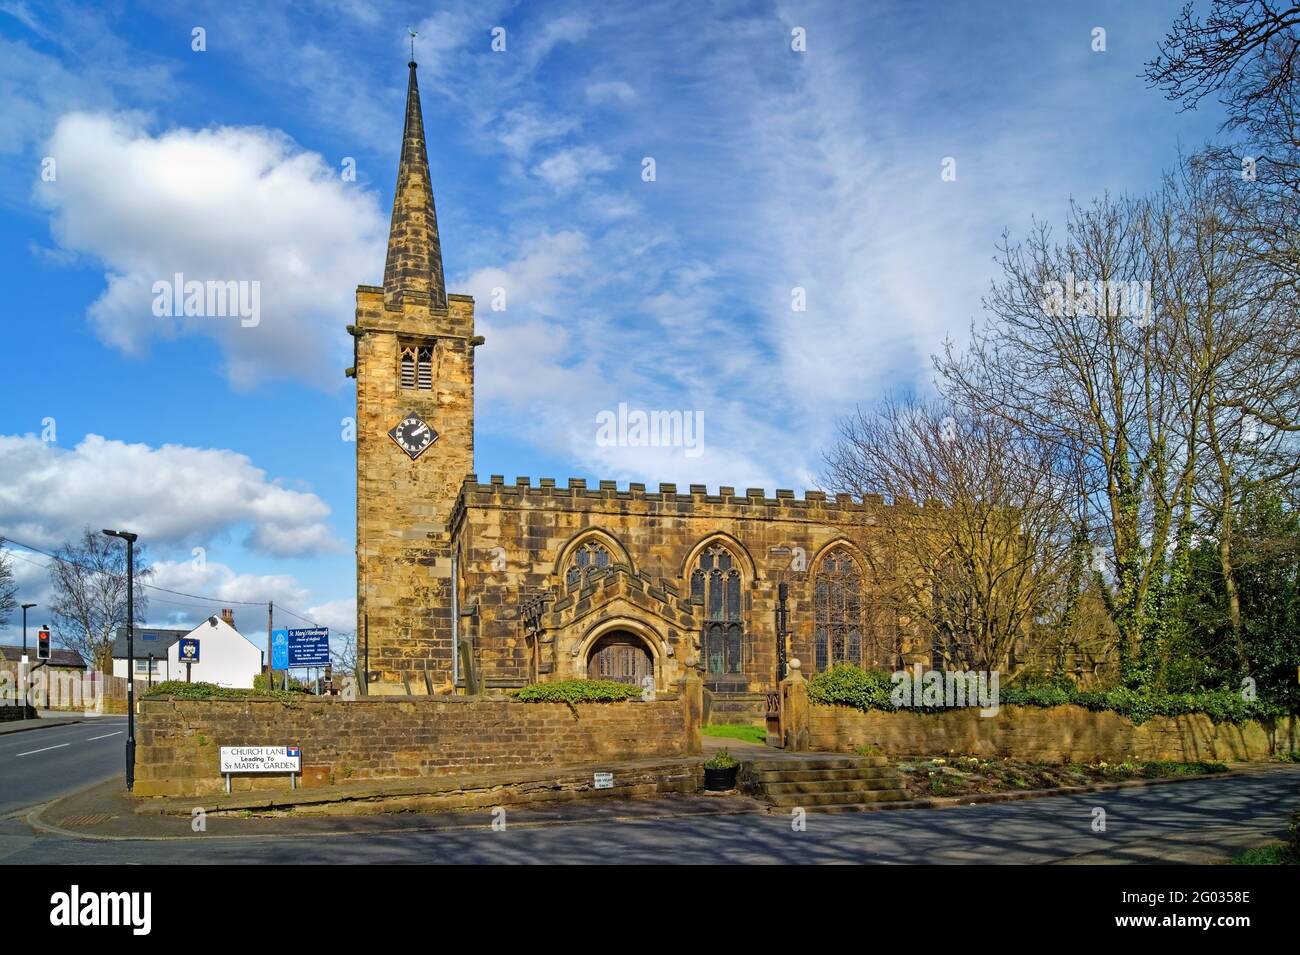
(510, 583)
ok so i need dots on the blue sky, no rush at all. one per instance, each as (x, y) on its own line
(774, 170)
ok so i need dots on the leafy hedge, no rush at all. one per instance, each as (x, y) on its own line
(849, 685)
(578, 691)
(180, 690)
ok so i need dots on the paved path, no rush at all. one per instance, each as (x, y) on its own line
(39, 764)
(1193, 822)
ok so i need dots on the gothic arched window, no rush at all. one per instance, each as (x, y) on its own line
(838, 611)
(715, 583)
(590, 558)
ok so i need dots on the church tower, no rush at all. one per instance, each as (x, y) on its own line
(414, 369)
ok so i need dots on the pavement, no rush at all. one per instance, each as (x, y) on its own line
(47, 718)
(1196, 821)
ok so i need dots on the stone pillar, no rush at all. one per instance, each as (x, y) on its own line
(692, 700)
(794, 709)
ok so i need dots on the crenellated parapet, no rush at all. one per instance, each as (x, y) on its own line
(635, 497)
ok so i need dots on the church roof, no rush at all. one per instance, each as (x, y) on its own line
(413, 269)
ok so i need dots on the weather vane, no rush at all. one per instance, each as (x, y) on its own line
(413, 36)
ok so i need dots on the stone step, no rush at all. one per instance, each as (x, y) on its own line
(833, 785)
(830, 762)
(840, 798)
(768, 776)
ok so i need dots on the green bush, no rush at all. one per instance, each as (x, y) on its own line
(849, 685)
(295, 684)
(578, 691)
(722, 759)
(180, 690)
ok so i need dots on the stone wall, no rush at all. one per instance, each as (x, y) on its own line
(403, 546)
(1050, 735)
(397, 738)
(515, 539)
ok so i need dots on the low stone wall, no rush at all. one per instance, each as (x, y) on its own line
(394, 738)
(9, 714)
(1048, 735)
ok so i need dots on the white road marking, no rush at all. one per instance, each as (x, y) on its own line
(105, 736)
(32, 752)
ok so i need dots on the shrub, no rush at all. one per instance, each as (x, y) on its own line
(578, 691)
(180, 690)
(848, 685)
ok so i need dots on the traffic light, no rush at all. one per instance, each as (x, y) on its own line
(43, 644)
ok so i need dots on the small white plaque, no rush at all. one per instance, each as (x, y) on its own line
(604, 780)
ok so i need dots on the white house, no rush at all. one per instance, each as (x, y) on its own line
(226, 657)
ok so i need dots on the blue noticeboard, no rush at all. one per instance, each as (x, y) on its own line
(309, 647)
(188, 651)
(279, 649)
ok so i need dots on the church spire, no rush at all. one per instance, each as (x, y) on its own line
(413, 270)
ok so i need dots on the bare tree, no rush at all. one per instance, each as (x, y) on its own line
(974, 549)
(89, 582)
(1071, 357)
(8, 586)
(1247, 53)
(1239, 352)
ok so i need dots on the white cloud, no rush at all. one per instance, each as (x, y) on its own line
(568, 168)
(339, 615)
(525, 127)
(610, 91)
(220, 204)
(171, 495)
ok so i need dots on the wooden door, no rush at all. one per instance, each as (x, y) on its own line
(620, 657)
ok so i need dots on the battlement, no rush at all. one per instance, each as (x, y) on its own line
(523, 493)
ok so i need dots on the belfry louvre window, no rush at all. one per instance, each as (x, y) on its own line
(591, 558)
(715, 583)
(417, 367)
(838, 611)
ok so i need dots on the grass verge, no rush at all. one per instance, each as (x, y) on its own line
(750, 734)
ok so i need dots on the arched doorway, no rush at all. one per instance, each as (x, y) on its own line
(620, 656)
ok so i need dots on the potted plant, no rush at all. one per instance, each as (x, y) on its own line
(720, 772)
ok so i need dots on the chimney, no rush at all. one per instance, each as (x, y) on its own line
(228, 616)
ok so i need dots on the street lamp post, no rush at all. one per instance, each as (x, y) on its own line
(130, 652)
(23, 676)
(26, 607)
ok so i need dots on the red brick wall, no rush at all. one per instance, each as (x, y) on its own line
(389, 738)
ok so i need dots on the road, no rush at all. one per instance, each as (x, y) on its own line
(37, 765)
(1193, 822)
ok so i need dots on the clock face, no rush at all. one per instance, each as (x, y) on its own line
(412, 435)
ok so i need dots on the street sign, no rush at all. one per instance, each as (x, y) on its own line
(261, 759)
(279, 649)
(309, 647)
(188, 650)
